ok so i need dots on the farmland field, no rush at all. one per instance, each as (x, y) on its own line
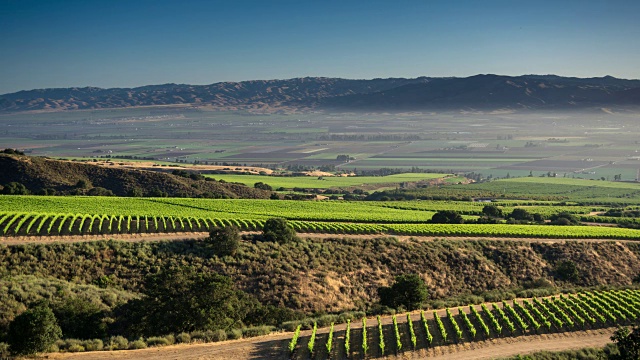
(493, 145)
(325, 182)
(84, 215)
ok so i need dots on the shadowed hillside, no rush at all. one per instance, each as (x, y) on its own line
(475, 92)
(42, 175)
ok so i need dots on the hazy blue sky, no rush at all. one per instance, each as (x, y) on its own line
(112, 43)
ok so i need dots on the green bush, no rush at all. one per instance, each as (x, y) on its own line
(234, 334)
(75, 348)
(183, 338)
(65, 344)
(224, 240)
(277, 230)
(157, 341)
(408, 291)
(257, 331)
(137, 344)
(209, 335)
(118, 343)
(93, 345)
(326, 320)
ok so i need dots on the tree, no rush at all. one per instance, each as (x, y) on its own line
(520, 214)
(492, 211)
(567, 271)
(262, 186)
(183, 299)
(33, 331)
(15, 188)
(224, 240)
(563, 218)
(135, 192)
(277, 230)
(627, 342)
(409, 290)
(82, 184)
(80, 318)
(447, 217)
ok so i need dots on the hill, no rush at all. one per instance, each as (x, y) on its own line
(299, 92)
(43, 175)
(335, 275)
(470, 93)
(495, 92)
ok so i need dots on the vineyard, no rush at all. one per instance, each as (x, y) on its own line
(521, 317)
(53, 215)
(48, 224)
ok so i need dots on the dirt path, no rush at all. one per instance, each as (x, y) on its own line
(17, 240)
(272, 347)
(501, 348)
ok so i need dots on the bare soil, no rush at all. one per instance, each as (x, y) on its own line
(274, 347)
(153, 166)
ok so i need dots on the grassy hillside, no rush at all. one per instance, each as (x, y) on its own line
(42, 174)
(335, 274)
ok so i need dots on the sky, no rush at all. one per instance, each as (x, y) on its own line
(119, 43)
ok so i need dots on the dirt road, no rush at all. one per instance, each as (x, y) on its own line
(274, 347)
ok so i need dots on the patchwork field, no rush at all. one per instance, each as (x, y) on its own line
(603, 145)
(327, 182)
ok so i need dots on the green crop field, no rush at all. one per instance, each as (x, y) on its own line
(541, 188)
(40, 215)
(325, 182)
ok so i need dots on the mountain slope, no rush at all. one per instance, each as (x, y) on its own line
(38, 174)
(475, 92)
(494, 92)
(299, 91)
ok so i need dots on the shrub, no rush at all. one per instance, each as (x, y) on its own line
(326, 320)
(567, 271)
(183, 338)
(257, 331)
(67, 343)
(118, 343)
(277, 230)
(224, 240)
(76, 348)
(209, 335)
(234, 334)
(93, 345)
(137, 344)
(409, 291)
(157, 341)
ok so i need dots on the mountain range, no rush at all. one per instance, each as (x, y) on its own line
(480, 92)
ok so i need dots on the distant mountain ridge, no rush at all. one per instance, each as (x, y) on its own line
(474, 92)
